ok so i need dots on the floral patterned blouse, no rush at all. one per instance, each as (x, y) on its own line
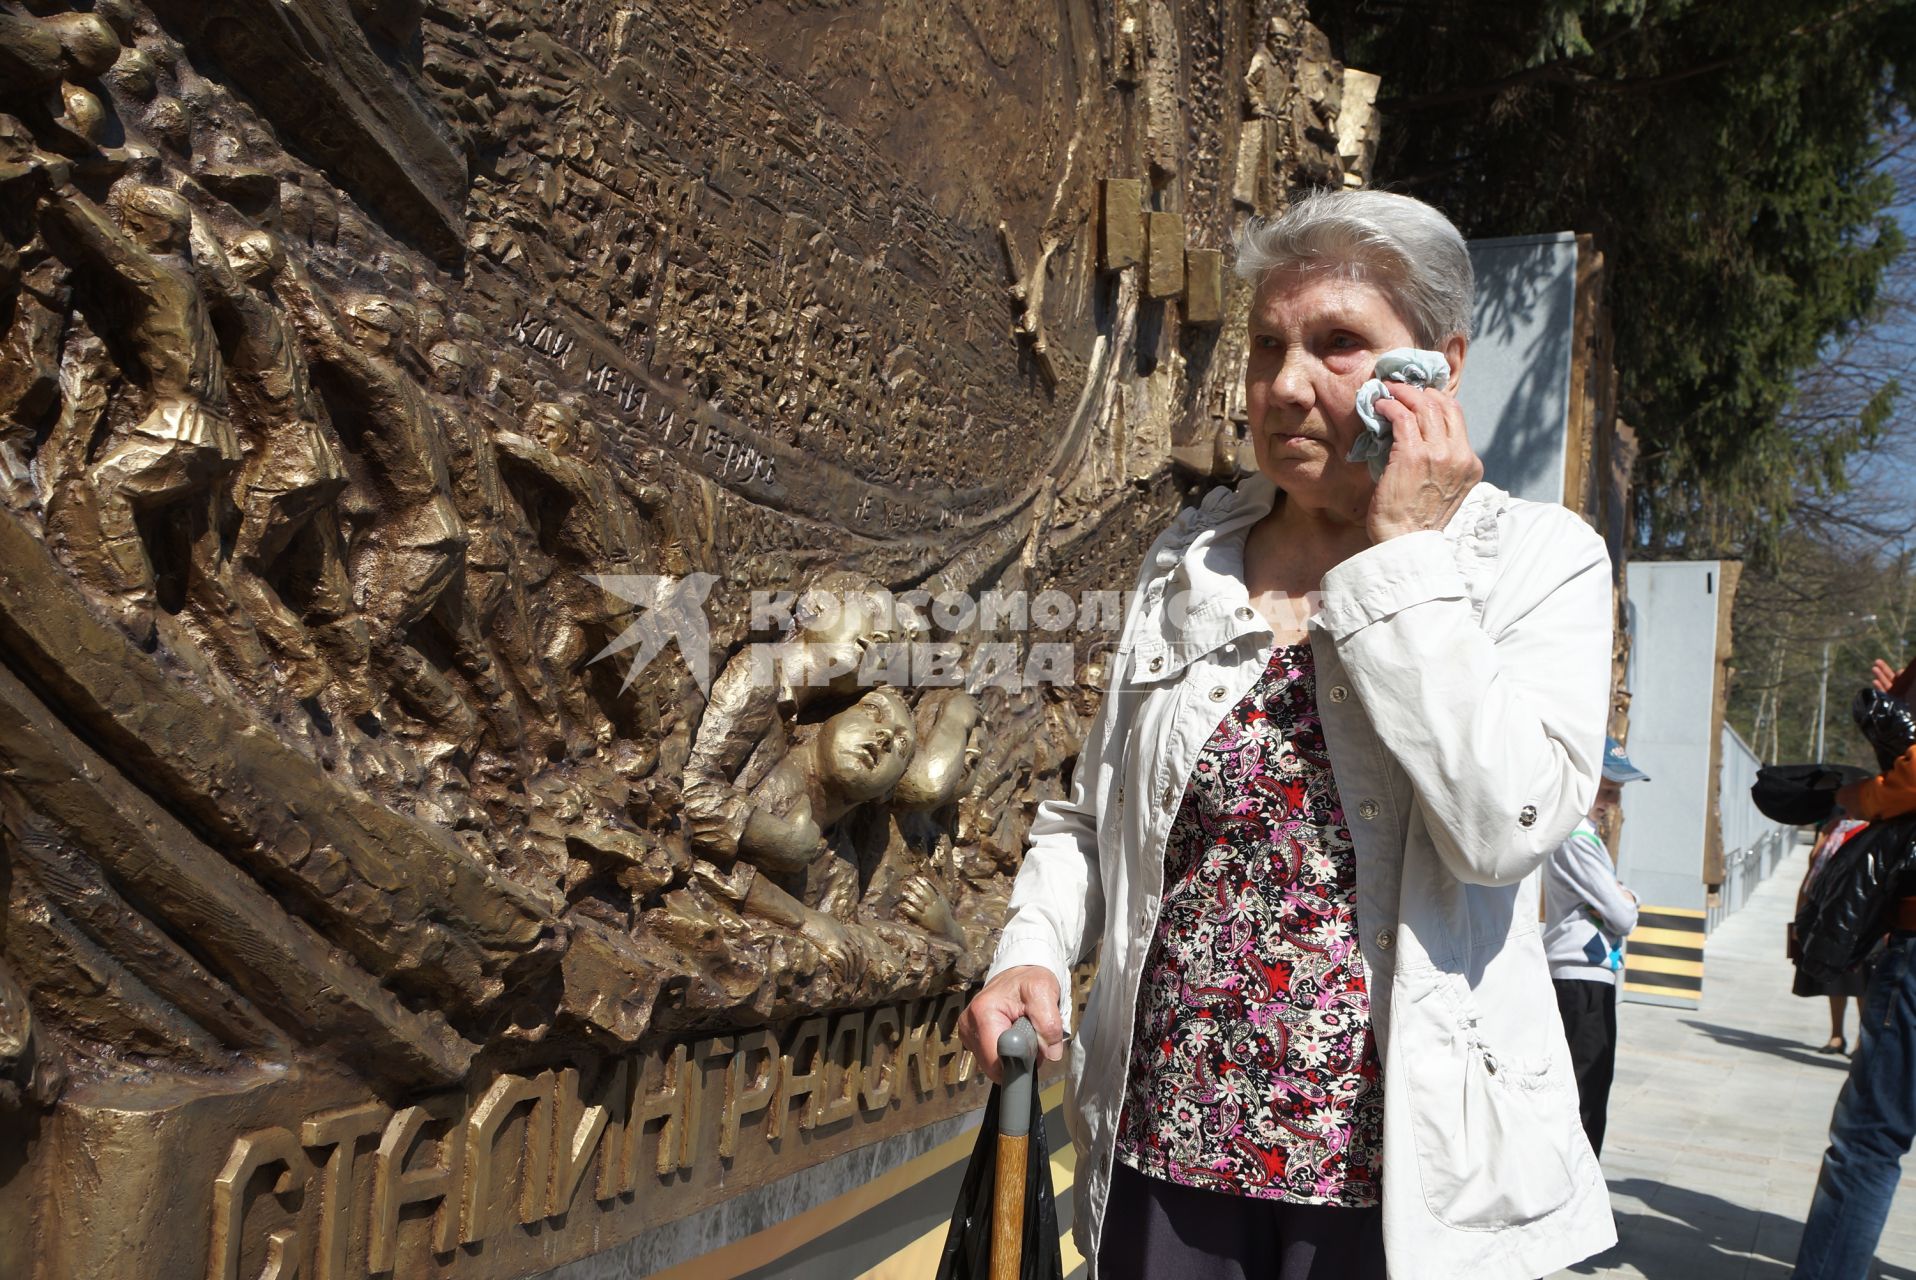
(1253, 1069)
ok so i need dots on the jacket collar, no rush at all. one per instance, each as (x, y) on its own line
(1253, 496)
(1195, 599)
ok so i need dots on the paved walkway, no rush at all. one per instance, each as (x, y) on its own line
(1719, 1117)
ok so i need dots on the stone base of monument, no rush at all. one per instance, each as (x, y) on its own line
(527, 1171)
(770, 1220)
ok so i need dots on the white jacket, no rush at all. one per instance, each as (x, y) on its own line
(1463, 681)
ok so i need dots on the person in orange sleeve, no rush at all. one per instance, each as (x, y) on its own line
(1874, 1122)
(1892, 793)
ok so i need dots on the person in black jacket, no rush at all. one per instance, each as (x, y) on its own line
(1869, 889)
(1848, 985)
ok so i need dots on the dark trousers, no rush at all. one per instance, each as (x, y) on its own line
(1157, 1230)
(1872, 1130)
(1589, 1012)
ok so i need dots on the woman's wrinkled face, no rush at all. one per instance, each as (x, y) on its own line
(1314, 339)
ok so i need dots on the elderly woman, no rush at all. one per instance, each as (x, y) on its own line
(1348, 719)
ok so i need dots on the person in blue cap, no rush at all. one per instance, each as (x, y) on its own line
(1587, 915)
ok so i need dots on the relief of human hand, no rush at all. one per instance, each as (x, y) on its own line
(925, 905)
(835, 939)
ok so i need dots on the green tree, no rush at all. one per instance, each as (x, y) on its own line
(1731, 160)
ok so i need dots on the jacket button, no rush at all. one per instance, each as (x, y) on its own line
(1527, 816)
(1386, 939)
(1367, 810)
(1170, 793)
(1339, 693)
(1157, 664)
(1243, 613)
(1217, 694)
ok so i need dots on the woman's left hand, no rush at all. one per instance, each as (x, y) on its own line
(1432, 466)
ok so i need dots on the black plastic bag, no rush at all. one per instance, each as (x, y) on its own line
(967, 1253)
(1886, 722)
(1846, 907)
(1800, 795)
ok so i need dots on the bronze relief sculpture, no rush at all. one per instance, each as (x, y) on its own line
(377, 380)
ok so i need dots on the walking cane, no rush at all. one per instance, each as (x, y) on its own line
(1018, 1055)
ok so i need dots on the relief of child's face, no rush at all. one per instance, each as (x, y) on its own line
(865, 748)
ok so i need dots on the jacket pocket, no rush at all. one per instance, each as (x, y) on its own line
(1494, 1136)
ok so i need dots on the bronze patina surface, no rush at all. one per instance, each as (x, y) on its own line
(371, 371)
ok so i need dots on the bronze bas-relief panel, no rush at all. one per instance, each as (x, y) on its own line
(380, 380)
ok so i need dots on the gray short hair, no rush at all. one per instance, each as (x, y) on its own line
(1400, 244)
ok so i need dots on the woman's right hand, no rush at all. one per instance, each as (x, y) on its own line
(1028, 991)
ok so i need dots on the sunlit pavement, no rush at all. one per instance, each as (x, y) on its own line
(1719, 1117)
